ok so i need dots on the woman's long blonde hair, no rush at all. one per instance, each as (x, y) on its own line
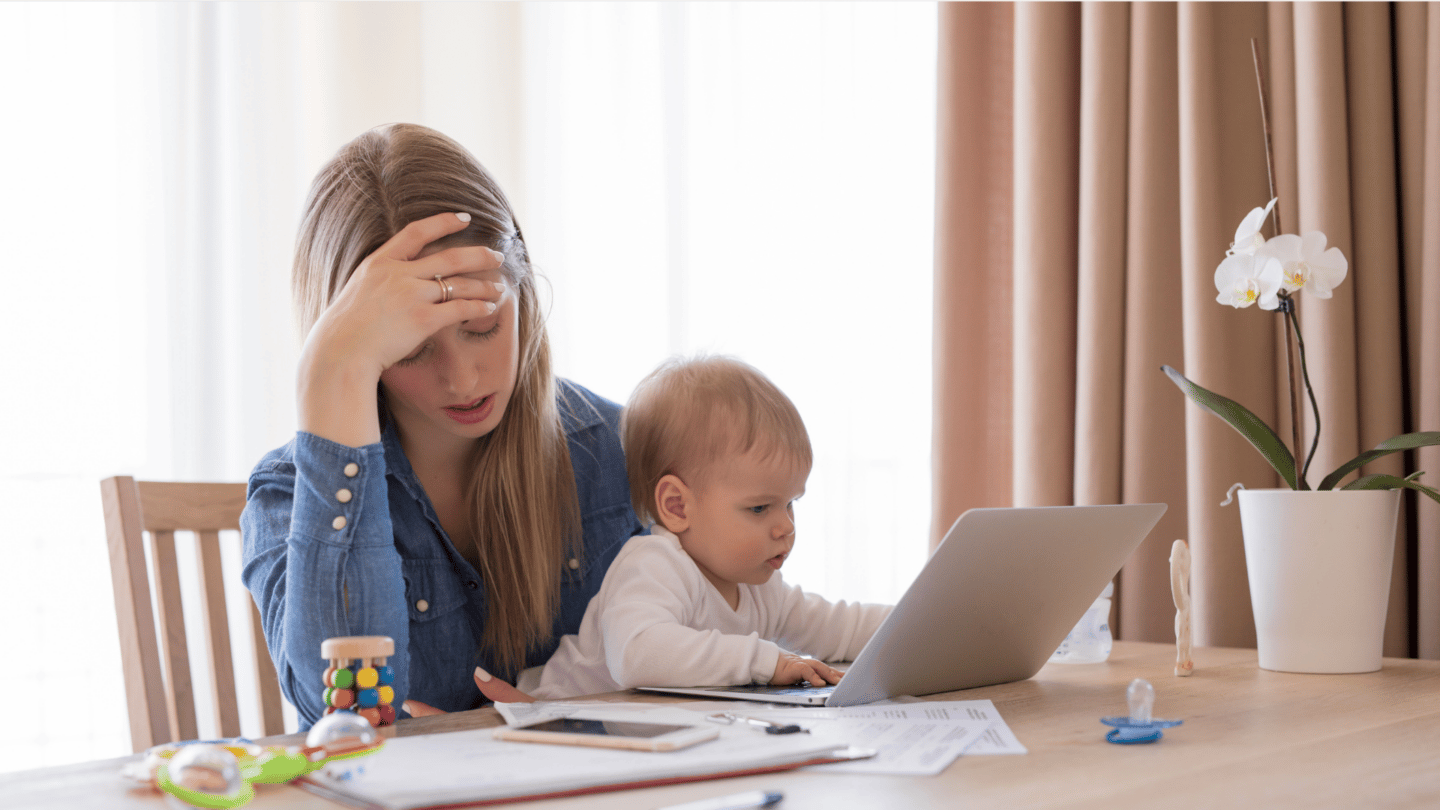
(521, 490)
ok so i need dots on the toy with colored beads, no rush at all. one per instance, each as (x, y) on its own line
(358, 679)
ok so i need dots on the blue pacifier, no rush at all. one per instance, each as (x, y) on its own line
(1139, 727)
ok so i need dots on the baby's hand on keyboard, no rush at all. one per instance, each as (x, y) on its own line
(794, 669)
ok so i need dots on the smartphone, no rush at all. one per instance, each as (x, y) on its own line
(609, 734)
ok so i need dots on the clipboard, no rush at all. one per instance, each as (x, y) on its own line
(471, 769)
(354, 799)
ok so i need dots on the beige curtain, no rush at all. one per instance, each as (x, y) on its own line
(1094, 160)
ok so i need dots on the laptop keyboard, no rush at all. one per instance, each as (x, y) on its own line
(767, 689)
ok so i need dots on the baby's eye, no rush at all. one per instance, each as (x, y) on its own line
(760, 510)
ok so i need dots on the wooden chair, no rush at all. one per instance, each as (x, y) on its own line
(159, 692)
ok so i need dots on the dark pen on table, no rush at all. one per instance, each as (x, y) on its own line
(770, 726)
(735, 801)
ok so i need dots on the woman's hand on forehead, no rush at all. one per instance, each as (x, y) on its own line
(395, 299)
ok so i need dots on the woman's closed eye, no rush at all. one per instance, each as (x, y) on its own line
(420, 353)
(415, 357)
(485, 335)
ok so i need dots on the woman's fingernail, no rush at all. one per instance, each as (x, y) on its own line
(489, 307)
(499, 287)
(499, 257)
(482, 674)
(405, 707)
(462, 216)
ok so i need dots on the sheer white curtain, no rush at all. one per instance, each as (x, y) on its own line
(752, 179)
(757, 181)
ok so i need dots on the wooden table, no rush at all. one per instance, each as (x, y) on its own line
(1251, 738)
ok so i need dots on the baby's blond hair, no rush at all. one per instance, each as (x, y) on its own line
(689, 412)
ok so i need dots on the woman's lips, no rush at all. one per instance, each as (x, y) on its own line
(476, 411)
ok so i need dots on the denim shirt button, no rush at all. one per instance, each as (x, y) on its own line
(352, 469)
(422, 605)
(338, 522)
(344, 496)
(574, 564)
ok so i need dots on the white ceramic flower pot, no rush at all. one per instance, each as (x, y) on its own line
(1319, 565)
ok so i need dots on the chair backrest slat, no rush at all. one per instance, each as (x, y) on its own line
(180, 691)
(161, 698)
(140, 653)
(217, 633)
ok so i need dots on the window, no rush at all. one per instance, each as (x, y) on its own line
(742, 178)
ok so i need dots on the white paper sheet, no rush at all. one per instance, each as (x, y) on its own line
(913, 737)
(997, 738)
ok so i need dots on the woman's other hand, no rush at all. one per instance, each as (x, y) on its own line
(390, 305)
(498, 691)
(494, 689)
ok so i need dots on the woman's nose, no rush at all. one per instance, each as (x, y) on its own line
(458, 373)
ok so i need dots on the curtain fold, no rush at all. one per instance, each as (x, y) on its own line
(1153, 461)
(1425, 336)
(1136, 147)
(1047, 106)
(973, 225)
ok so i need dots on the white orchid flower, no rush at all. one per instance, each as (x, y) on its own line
(1247, 236)
(1243, 279)
(1303, 262)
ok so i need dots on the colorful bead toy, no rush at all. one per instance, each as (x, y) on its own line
(358, 679)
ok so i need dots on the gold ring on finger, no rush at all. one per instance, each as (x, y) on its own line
(445, 289)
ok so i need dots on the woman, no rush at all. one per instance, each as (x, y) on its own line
(443, 489)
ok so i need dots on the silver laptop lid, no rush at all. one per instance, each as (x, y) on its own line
(995, 599)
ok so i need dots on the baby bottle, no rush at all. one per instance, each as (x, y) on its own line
(1090, 641)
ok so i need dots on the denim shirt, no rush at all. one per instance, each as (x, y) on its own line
(352, 530)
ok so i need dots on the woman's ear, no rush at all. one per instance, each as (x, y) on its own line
(672, 503)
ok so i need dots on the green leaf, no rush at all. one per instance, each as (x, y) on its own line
(1405, 441)
(1259, 434)
(1383, 481)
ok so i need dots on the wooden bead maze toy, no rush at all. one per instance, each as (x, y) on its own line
(358, 679)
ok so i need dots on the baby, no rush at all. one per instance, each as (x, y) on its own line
(716, 456)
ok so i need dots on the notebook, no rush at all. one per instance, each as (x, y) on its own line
(990, 606)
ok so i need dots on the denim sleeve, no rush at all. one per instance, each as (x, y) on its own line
(320, 561)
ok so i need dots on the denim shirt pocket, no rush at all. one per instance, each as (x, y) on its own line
(432, 589)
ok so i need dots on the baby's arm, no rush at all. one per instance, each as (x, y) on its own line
(648, 642)
(831, 631)
(655, 633)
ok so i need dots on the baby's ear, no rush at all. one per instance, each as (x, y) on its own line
(672, 503)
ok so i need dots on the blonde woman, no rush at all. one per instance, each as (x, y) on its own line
(443, 488)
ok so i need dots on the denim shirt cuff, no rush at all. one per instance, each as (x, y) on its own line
(338, 490)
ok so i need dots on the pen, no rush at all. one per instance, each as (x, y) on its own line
(770, 726)
(735, 801)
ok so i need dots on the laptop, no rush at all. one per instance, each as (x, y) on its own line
(990, 606)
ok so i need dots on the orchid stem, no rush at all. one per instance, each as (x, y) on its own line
(1265, 127)
(1314, 406)
(1289, 304)
(1294, 401)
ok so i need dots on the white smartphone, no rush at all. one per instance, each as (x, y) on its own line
(609, 734)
